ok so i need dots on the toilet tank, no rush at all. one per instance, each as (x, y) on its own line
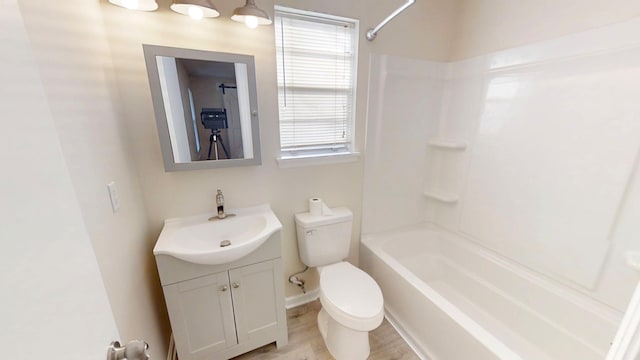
(324, 239)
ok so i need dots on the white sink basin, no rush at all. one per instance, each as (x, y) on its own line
(198, 240)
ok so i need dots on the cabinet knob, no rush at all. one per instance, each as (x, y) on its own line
(236, 285)
(224, 288)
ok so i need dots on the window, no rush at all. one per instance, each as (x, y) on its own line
(316, 58)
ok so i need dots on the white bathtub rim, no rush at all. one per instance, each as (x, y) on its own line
(494, 345)
(528, 308)
(374, 241)
(564, 289)
(560, 288)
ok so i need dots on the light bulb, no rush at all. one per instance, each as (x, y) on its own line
(196, 12)
(131, 4)
(251, 21)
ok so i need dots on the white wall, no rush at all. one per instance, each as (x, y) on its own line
(54, 303)
(73, 58)
(287, 190)
(405, 104)
(485, 26)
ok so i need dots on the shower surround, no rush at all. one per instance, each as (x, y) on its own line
(529, 154)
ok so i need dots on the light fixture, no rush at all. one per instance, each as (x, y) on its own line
(197, 9)
(142, 5)
(251, 15)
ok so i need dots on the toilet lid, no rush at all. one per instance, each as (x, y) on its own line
(351, 296)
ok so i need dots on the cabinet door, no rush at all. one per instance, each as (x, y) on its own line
(201, 315)
(256, 289)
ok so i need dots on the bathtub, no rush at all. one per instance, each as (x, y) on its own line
(455, 300)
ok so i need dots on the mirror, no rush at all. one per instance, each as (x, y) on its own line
(205, 105)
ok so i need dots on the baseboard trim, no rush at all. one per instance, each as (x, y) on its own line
(297, 300)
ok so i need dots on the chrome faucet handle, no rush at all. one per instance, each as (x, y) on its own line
(220, 204)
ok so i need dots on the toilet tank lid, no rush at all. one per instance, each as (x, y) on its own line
(338, 215)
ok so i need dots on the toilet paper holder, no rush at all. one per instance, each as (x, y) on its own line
(133, 350)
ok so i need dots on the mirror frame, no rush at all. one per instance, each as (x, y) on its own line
(150, 55)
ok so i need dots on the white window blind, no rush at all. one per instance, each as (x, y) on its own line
(316, 57)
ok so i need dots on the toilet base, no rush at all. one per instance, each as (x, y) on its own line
(343, 343)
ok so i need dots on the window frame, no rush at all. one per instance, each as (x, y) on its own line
(310, 155)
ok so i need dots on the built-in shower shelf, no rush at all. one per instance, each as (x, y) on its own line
(441, 195)
(448, 144)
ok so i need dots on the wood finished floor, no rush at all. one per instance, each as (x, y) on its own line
(305, 341)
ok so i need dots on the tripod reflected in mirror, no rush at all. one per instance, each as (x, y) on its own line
(215, 119)
(214, 140)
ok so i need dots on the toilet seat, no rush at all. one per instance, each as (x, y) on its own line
(351, 297)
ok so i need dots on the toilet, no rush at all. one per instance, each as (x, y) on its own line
(351, 300)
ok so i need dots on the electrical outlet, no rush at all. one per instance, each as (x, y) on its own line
(113, 196)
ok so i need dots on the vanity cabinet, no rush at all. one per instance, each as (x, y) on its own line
(221, 311)
(201, 312)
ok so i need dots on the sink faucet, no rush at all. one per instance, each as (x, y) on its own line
(220, 203)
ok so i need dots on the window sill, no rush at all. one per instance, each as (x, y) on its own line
(311, 160)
